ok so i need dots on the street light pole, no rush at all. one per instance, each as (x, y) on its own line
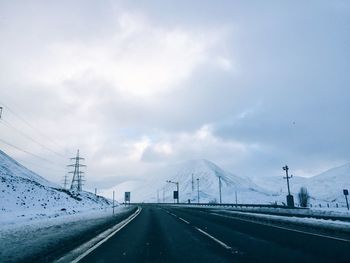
(113, 202)
(198, 190)
(220, 187)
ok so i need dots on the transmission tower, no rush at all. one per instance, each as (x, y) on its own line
(192, 183)
(65, 181)
(77, 180)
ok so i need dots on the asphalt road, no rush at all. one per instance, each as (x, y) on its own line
(169, 234)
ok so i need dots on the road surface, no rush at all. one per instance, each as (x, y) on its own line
(170, 234)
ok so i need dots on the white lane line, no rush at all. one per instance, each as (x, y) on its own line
(285, 228)
(184, 220)
(173, 215)
(82, 251)
(213, 238)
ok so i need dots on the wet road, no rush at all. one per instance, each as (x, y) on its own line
(170, 234)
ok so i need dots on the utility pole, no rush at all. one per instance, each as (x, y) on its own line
(236, 197)
(157, 196)
(77, 180)
(198, 190)
(290, 199)
(95, 191)
(163, 195)
(65, 181)
(113, 202)
(177, 189)
(0, 112)
(220, 188)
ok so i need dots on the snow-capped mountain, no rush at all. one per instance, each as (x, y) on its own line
(327, 186)
(24, 193)
(187, 173)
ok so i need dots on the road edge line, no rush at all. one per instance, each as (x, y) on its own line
(213, 238)
(83, 250)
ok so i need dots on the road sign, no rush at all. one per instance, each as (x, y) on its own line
(127, 197)
(176, 195)
(346, 193)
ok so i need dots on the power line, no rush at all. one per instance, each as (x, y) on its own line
(30, 126)
(43, 166)
(27, 152)
(9, 125)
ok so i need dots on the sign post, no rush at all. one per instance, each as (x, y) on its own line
(127, 197)
(176, 195)
(346, 193)
(177, 190)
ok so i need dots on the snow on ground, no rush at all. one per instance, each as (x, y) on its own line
(26, 240)
(38, 217)
(334, 225)
(305, 212)
(26, 195)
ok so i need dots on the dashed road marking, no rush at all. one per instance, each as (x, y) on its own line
(214, 238)
(222, 244)
(184, 220)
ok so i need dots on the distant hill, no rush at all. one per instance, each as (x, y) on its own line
(24, 193)
(327, 186)
(207, 172)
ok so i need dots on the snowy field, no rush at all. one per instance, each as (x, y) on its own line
(39, 220)
(41, 239)
(338, 213)
(335, 227)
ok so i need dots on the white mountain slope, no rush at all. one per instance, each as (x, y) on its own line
(279, 185)
(24, 193)
(208, 174)
(327, 186)
(10, 167)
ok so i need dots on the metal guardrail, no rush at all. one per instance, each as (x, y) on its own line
(271, 212)
(224, 205)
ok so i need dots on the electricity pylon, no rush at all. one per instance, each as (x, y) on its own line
(77, 180)
(65, 181)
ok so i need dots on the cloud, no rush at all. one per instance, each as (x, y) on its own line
(201, 143)
(138, 58)
(136, 86)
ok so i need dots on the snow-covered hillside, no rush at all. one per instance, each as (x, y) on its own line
(26, 194)
(327, 186)
(155, 187)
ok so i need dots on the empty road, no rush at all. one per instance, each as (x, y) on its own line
(170, 234)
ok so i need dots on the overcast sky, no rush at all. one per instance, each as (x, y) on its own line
(135, 85)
